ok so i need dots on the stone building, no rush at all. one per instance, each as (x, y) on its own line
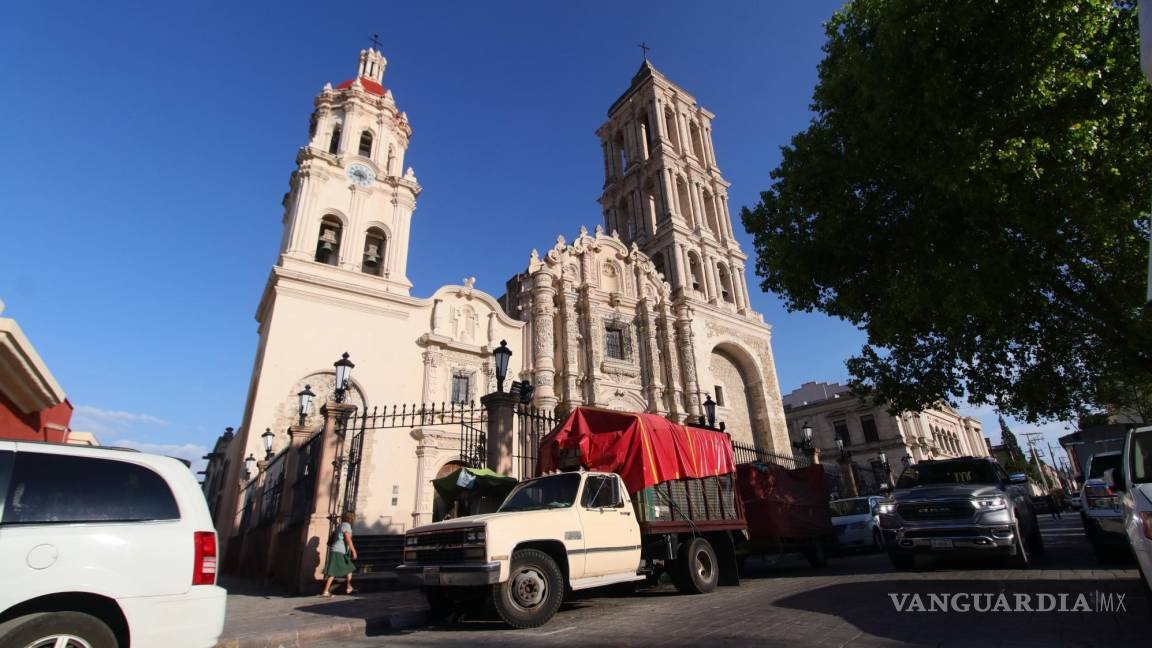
(651, 318)
(867, 430)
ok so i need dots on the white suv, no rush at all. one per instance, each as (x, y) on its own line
(104, 548)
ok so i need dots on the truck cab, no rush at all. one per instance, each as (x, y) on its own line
(572, 530)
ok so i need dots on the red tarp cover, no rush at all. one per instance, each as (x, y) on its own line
(644, 449)
(783, 503)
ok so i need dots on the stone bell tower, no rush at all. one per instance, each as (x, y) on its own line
(349, 208)
(663, 190)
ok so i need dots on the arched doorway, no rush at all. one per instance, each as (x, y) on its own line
(739, 396)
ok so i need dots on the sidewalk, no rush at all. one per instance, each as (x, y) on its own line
(259, 618)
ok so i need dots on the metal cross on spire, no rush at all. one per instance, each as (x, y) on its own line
(376, 42)
(644, 46)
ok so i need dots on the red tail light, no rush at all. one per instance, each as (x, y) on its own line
(204, 568)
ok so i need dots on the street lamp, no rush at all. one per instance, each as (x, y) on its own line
(343, 373)
(710, 410)
(305, 397)
(845, 453)
(805, 442)
(501, 353)
(250, 465)
(267, 438)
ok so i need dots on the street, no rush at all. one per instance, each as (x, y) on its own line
(848, 603)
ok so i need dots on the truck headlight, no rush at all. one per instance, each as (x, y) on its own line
(887, 508)
(988, 503)
(474, 536)
(410, 540)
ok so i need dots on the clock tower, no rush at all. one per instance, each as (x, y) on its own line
(349, 208)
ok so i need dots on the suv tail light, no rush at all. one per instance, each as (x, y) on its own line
(204, 567)
(1146, 522)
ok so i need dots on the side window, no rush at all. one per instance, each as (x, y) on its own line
(50, 488)
(601, 492)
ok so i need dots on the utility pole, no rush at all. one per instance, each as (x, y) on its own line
(1031, 437)
(1056, 466)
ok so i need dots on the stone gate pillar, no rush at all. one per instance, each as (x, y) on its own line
(501, 435)
(543, 332)
(325, 503)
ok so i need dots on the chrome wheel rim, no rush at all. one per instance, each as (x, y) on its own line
(704, 566)
(60, 641)
(529, 588)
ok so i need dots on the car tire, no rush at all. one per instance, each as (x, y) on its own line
(1019, 557)
(41, 628)
(1035, 539)
(533, 592)
(902, 560)
(696, 571)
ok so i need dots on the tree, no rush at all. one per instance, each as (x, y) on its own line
(971, 193)
(1017, 461)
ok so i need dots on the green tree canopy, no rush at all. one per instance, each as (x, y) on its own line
(971, 192)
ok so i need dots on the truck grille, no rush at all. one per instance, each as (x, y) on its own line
(441, 548)
(935, 510)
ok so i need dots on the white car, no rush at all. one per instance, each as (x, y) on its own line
(857, 523)
(1136, 499)
(104, 548)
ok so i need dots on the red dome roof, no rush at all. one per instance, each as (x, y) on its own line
(369, 85)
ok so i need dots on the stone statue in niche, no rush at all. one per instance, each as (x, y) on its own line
(610, 278)
(466, 323)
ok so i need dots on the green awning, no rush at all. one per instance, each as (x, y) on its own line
(472, 480)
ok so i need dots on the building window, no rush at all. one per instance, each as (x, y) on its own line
(460, 388)
(868, 424)
(365, 144)
(614, 343)
(841, 428)
(328, 244)
(373, 261)
(334, 143)
(719, 395)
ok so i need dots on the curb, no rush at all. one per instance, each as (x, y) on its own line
(302, 636)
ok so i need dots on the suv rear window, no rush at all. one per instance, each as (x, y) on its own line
(1099, 463)
(950, 472)
(51, 488)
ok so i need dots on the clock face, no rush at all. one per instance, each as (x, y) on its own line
(360, 175)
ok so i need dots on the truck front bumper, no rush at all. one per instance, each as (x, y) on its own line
(966, 538)
(463, 574)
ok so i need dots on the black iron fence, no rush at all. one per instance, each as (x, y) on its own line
(532, 423)
(273, 486)
(304, 485)
(751, 454)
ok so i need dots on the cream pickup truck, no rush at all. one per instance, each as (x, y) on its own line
(575, 530)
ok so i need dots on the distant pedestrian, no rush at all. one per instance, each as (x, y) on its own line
(1053, 508)
(338, 564)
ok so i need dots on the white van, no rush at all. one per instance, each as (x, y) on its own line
(1135, 479)
(104, 548)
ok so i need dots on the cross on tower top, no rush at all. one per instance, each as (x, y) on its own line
(644, 46)
(375, 41)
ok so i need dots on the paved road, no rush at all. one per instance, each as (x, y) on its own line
(846, 604)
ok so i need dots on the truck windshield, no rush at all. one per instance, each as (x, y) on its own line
(554, 491)
(1141, 457)
(951, 472)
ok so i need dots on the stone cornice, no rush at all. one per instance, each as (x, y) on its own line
(24, 378)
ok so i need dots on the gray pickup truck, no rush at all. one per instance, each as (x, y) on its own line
(967, 506)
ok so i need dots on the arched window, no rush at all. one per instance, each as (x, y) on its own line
(673, 131)
(621, 154)
(725, 284)
(328, 243)
(334, 144)
(658, 264)
(375, 244)
(645, 135)
(694, 134)
(685, 202)
(365, 144)
(697, 273)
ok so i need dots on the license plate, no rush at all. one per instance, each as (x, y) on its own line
(942, 544)
(431, 575)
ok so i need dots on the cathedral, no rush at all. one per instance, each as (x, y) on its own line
(647, 312)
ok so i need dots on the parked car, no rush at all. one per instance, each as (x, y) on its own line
(104, 548)
(857, 523)
(1073, 501)
(1100, 508)
(1136, 500)
(967, 505)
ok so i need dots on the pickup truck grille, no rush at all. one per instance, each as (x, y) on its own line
(441, 548)
(915, 511)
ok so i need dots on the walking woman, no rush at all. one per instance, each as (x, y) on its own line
(339, 565)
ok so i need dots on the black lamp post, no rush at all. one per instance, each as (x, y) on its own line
(501, 353)
(343, 373)
(805, 442)
(267, 438)
(710, 410)
(305, 397)
(845, 453)
(250, 465)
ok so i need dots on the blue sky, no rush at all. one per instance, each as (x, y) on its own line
(147, 146)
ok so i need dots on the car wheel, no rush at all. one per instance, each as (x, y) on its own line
(1020, 558)
(902, 560)
(1035, 539)
(57, 630)
(533, 591)
(696, 571)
